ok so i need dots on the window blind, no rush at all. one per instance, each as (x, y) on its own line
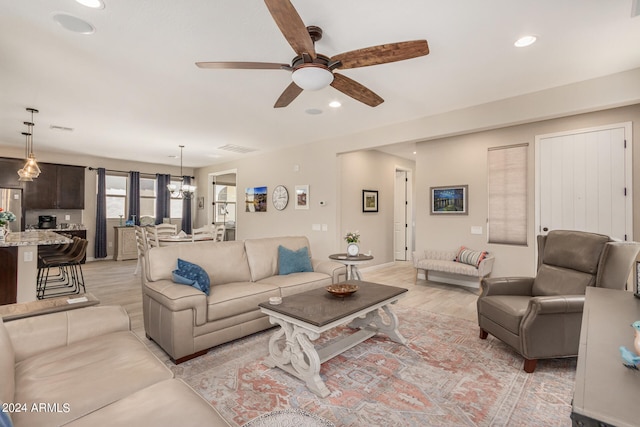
(507, 181)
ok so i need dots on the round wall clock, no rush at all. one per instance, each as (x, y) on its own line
(280, 197)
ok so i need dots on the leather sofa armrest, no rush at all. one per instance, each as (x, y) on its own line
(176, 297)
(506, 286)
(37, 334)
(557, 304)
(331, 268)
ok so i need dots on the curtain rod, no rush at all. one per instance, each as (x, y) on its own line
(114, 170)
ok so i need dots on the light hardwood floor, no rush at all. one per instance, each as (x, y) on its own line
(114, 283)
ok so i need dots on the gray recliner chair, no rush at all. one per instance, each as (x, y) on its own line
(540, 317)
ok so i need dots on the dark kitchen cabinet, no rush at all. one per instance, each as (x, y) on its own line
(57, 187)
(9, 172)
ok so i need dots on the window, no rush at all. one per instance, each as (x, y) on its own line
(507, 182)
(225, 203)
(175, 204)
(147, 197)
(116, 195)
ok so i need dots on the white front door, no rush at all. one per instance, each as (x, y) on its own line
(583, 181)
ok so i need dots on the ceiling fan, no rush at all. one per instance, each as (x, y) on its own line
(313, 71)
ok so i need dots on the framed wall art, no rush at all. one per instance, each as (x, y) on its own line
(450, 200)
(302, 197)
(369, 201)
(255, 199)
(201, 202)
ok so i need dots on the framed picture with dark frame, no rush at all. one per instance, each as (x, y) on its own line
(369, 201)
(450, 200)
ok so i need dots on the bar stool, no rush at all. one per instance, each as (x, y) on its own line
(70, 279)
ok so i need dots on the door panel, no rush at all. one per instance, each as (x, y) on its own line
(582, 179)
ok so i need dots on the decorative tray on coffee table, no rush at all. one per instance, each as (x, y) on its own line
(342, 289)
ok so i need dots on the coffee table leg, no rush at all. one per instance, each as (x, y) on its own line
(298, 357)
(390, 328)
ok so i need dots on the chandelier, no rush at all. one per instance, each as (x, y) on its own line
(184, 191)
(30, 169)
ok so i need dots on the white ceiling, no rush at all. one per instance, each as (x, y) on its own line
(132, 91)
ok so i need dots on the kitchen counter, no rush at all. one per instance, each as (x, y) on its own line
(36, 237)
(19, 263)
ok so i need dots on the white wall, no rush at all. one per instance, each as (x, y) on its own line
(463, 159)
(369, 170)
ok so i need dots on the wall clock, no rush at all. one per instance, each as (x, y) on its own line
(280, 197)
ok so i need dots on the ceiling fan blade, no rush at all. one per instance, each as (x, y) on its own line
(355, 90)
(244, 65)
(290, 93)
(382, 54)
(291, 26)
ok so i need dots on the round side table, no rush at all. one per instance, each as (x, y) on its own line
(352, 263)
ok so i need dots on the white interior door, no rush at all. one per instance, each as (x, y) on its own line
(583, 181)
(400, 220)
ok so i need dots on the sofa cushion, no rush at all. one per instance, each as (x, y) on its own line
(236, 298)
(552, 280)
(7, 366)
(470, 257)
(262, 254)
(191, 274)
(167, 403)
(295, 283)
(290, 261)
(86, 375)
(225, 262)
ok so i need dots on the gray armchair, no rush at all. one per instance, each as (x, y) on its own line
(540, 317)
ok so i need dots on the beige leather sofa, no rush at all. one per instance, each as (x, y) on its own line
(85, 367)
(185, 322)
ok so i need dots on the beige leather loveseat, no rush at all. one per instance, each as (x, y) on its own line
(185, 322)
(85, 367)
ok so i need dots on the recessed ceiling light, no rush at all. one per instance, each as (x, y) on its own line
(415, 152)
(73, 23)
(335, 104)
(525, 41)
(94, 4)
(313, 111)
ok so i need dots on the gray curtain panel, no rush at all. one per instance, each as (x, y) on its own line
(186, 208)
(162, 198)
(101, 216)
(134, 196)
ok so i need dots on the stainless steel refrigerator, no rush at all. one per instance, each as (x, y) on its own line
(11, 201)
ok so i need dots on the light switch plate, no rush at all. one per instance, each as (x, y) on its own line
(315, 227)
(476, 229)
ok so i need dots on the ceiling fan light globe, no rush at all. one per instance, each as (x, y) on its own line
(312, 76)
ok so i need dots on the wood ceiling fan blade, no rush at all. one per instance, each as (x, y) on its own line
(290, 93)
(355, 90)
(291, 26)
(382, 54)
(244, 65)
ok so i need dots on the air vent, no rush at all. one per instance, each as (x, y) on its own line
(237, 149)
(63, 128)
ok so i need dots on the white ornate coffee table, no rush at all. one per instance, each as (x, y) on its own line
(303, 317)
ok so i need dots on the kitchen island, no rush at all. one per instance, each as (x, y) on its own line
(19, 263)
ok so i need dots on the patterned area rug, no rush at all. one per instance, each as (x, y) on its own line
(445, 376)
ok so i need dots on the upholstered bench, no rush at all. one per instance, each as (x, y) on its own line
(455, 267)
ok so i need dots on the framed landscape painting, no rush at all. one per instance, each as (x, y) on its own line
(451, 200)
(369, 201)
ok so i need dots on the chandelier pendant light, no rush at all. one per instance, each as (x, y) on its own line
(184, 191)
(30, 169)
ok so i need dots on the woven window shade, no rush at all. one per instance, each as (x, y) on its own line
(507, 181)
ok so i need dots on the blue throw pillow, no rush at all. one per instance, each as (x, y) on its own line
(5, 421)
(293, 261)
(188, 271)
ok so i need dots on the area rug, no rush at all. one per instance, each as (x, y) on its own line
(444, 376)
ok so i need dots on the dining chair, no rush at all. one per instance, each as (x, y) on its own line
(219, 233)
(207, 230)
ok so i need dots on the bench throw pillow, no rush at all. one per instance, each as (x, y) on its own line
(290, 261)
(469, 256)
(192, 275)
